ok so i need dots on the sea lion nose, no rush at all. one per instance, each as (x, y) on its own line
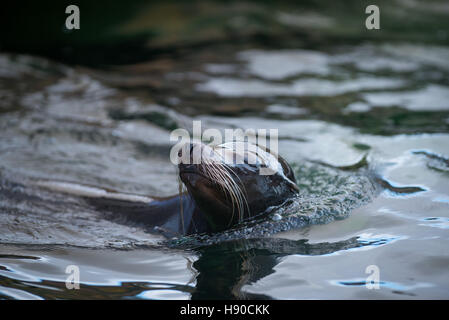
(189, 152)
(185, 149)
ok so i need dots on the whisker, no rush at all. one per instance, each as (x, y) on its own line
(180, 188)
(227, 181)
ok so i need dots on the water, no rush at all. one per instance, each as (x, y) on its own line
(68, 130)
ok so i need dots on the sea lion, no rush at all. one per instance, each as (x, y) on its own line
(228, 185)
(231, 183)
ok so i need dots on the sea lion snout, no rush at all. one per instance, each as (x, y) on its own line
(196, 153)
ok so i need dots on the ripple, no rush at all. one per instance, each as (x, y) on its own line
(436, 222)
(18, 294)
(432, 98)
(164, 294)
(361, 282)
(378, 240)
(229, 87)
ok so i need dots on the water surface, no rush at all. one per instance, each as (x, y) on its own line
(88, 129)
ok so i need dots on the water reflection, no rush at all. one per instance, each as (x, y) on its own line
(225, 268)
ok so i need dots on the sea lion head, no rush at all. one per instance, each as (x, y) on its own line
(234, 181)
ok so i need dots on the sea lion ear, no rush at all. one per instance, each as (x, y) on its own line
(288, 171)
